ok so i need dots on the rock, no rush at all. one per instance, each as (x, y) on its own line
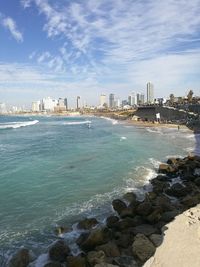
(127, 223)
(111, 221)
(144, 229)
(144, 208)
(197, 181)
(177, 190)
(159, 186)
(125, 261)
(76, 261)
(156, 239)
(167, 169)
(118, 205)
(130, 197)
(172, 161)
(151, 196)
(95, 238)
(190, 201)
(59, 251)
(154, 216)
(124, 240)
(62, 229)
(53, 264)
(168, 216)
(143, 248)
(87, 223)
(110, 249)
(104, 264)
(164, 203)
(128, 212)
(81, 239)
(95, 257)
(21, 258)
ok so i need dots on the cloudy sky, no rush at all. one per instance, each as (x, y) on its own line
(66, 48)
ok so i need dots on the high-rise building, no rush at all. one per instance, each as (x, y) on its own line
(66, 103)
(132, 100)
(36, 106)
(3, 108)
(150, 93)
(102, 100)
(48, 104)
(78, 102)
(140, 99)
(111, 101)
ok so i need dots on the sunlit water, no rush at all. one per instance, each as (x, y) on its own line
(56, 170)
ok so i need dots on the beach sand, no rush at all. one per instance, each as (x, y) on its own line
(181, 243)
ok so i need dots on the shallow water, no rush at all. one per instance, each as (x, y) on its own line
(56, 170)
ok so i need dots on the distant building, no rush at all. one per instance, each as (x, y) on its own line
(140, 99)
(3, 108)
(117, 103)
(78, 102)
(111, 101)
(48, 104)
(60, 105)
(66, 103)
(150, 93)
(36, 106)
(102, 100)
(132, 99)
(124, 103)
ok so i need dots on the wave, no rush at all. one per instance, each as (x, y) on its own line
(15, 125)
(109, 119)
(155, 162)
(154, 130)
(123, 138)
(77, 122)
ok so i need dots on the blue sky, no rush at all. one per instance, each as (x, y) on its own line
(67, 48)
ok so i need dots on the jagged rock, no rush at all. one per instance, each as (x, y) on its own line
(110, 249)
(95, 238)
(130, 197)
(143, 248)
(53, 264)
(21, 258)
(95, 257)
(145, 229)
(144, 208)
(59, 251)
(111, 221)
(168, 216)
(156, 239)
(125, 261)
(177, 190)
(118, 205)
(76, 261)
(87, 223)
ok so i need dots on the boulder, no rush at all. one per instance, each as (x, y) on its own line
(125, 261)
(159, 186)
(190, 201)
(95, 238)
(95, 257)
(130, 197)
(62, 229)
(167, 169)
(143, 248)
(53, 264)
(21, 258)
(156, 239)
(168, 216)
(118, 205)
(110, 249)
(145, 229)
(128, 212)
(76, 261)
(172, 161)
(127, 223)
(197, 181)
(144, 208)
(59, 251)
(104, 264)
(87, 223)
(163, 203)
(177, 190)
(155, 216)
(124, 240)
(111, 221)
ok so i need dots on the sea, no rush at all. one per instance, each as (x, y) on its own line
(56, 170)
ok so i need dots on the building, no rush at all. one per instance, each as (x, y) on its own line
(124, 103)
(150, 93)
(66, 103)
(3, 108)
(132, 99)
(36, 106)
(60, 105)
(103, 100)
(111, 101)
(140, 99)
(117, 103)
(48, 104)
(78, 102)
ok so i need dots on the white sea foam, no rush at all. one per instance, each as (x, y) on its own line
(109, 119)
(15, 125)
(77, 122)
(123, 138)
(154, 130)
(155, 162)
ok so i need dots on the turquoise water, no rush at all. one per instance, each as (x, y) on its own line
(56, 170)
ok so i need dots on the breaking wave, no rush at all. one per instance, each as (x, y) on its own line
(77, 122)
(15, 125)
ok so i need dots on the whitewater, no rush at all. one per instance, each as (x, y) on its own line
(57, 170)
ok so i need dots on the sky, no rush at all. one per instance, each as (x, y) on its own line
(66, 48)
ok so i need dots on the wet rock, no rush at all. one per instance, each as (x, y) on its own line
(172, 161)
(59, 251)
(62, 229)
(21, 258)
(110, 249)
(95, 257)
(125, 261)
(144, 209)
(76, 261)
(118, 205)
(145, 229)
(53, 264)
(111, 221)
(177, 190)
(143, 248)
(130, 197)
(156, 239)
(87, 223)
(128, 212)
(95, 238)
(159, 186)
(167, 169)
(168, 216)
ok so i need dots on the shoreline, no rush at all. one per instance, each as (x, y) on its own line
(134, 230)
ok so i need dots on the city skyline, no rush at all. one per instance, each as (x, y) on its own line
(72, 48)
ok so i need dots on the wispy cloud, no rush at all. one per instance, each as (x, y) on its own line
(9, 24)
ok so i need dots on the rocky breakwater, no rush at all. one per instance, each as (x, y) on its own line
(130, 235)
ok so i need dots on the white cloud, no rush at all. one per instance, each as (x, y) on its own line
(10, 24)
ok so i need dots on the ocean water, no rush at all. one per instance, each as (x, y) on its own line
(57, 170)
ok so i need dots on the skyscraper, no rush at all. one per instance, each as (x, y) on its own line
(78, 104)
(66, 103)
(132, 100)
(102, 100)
(150, 93)
(140, 99)
(111, 101)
